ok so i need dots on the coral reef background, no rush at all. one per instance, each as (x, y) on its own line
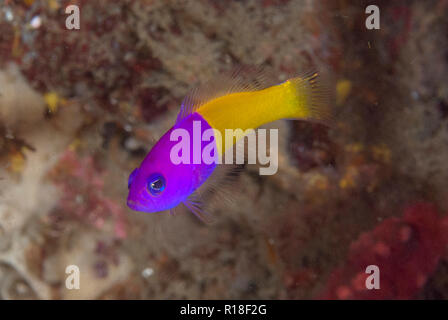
(79, 109)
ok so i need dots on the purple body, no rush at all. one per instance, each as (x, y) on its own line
(159, 184)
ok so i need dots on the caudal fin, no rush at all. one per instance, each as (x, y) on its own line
(313, 98)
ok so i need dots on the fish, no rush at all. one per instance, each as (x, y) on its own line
(238, 100)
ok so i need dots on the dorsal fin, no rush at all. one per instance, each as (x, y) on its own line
(242, 79)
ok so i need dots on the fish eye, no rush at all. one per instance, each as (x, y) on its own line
(132, 177)
(156, 184)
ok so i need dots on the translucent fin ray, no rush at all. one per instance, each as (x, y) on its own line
(314, 85)
(195, 205)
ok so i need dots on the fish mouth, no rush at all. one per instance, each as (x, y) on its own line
(134, 206)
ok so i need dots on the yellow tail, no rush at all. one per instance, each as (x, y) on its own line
(302, 98)
(298, 98)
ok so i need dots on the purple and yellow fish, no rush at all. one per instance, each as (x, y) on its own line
(237, 101)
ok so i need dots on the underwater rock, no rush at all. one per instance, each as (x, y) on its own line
(406, 250)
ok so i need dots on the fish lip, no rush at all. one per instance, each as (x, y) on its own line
(133, 205)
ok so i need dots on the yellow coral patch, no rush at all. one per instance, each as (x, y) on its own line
(343, 89)
(319, 182)
(349, 179)
(381, 153)
(354, 147)
(53, 101)
(74, 145)
(17, 162)
(53, 5)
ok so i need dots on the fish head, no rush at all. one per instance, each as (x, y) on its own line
(158, 184)
(161, 183)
